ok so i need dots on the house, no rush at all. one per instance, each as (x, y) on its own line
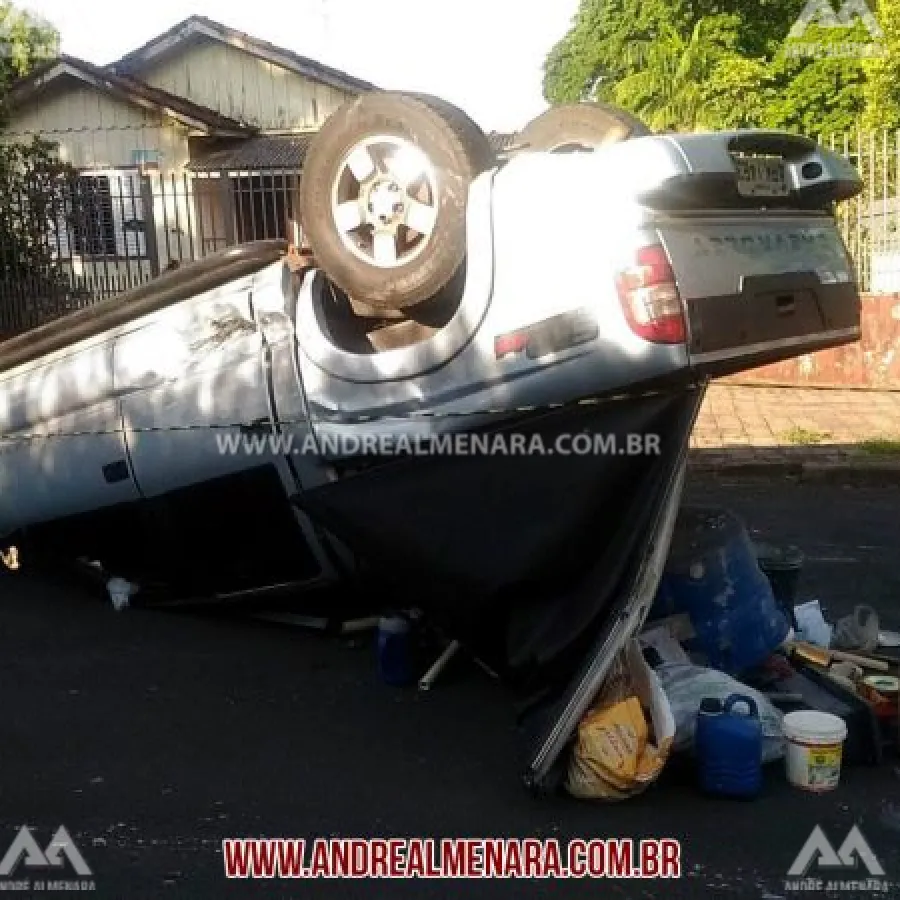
(193, 142)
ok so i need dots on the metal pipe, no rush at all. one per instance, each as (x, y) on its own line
(354, 626)
(165, 215)
(187, 183)
(100, 198)
(177, 218)
(253, 229)
(429, 678)
(121, 195)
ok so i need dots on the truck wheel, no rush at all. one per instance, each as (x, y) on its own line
(384, 192)
(580, 127)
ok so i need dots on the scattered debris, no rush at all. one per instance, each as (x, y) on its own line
(815, 745)
(729, 747)
(395, 651)
(660, 641)
(810, 624)
(428, 679)
(121, 592)
(857, 632)
(732, 647)
(825, 657)
(688, 686)
(10, 558)
(782, 566)
(888, 639)
(624, 741)
(713, 576)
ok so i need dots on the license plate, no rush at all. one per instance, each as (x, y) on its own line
(761, 177)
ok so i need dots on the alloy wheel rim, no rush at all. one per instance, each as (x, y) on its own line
(384, 201)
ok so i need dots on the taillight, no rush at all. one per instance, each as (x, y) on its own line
(650, 299)
(507, 344)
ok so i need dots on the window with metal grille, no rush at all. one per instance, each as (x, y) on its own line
(263, 206)
(93, 226)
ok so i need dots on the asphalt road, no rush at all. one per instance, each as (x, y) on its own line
(151, 736)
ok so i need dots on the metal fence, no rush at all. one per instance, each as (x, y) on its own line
(870, 222)
(104, 232)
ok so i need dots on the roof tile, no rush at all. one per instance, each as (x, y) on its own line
(257, 153)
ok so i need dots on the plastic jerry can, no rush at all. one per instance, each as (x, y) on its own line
(394, 651)
(729, 744)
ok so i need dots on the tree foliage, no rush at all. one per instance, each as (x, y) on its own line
(35, 188)
(698, 64)
(882, 107)
(25, 41)
(34, 183)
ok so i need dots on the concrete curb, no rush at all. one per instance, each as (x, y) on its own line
(852, 471)
(823, 387)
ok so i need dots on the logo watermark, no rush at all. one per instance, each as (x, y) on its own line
(387, 445)
(27, 867)
(853, 866)
(822, 13)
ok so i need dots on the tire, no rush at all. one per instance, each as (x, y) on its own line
(580, 127)
(467, 131)
(349, 177)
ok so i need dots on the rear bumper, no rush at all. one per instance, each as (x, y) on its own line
(772, 318)
(731, 360)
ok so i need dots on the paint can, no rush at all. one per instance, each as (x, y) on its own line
(782, 566)
(815, 747)
(886, 685)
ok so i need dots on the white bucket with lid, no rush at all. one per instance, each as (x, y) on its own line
(815, 747)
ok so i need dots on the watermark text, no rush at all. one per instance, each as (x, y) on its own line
(461, 444)
(425, 858)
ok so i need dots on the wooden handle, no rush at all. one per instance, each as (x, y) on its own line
(864, 661)
(823, 657)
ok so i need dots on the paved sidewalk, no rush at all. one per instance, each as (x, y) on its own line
(747, 425)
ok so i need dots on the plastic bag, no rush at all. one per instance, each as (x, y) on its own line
(858, 632)
(687, 686)
(624, 741)
(811, 624)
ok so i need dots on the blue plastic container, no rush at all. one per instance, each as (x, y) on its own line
(729, 747)
(712, 574)
(395, 651)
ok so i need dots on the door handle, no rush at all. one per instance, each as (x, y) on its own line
(785, 305)
(116, 472)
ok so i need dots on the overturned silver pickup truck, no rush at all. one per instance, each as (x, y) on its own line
(480, 391)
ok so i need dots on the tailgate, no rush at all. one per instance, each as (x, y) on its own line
(550, 727)
(747, 221)
(763, 290)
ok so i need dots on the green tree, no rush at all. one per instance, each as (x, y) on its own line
(34, 188)
(695, 80)
(882, 90)
(687, 64)
(25, 41)
(34, 184)
(595, 53)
